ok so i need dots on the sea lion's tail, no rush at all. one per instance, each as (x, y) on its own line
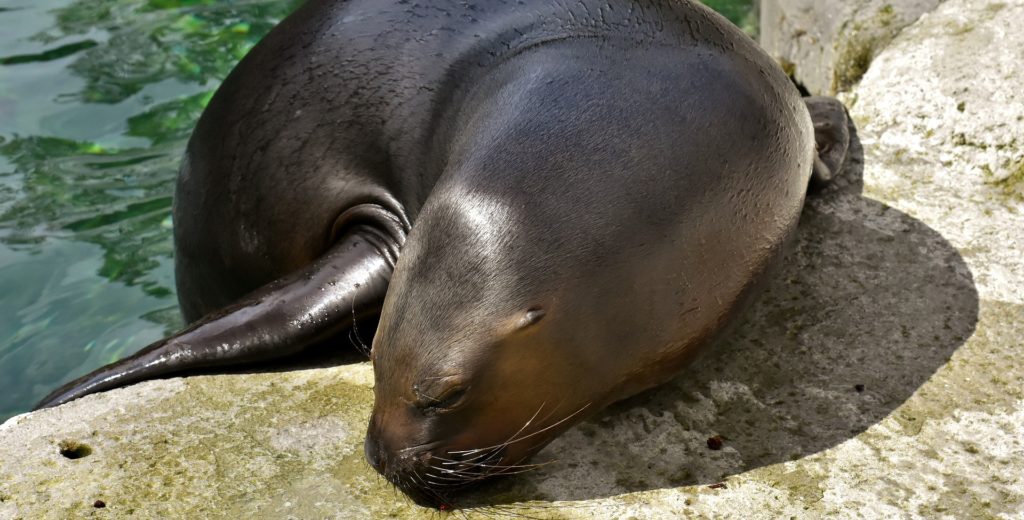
(279, 319)
(832, 137)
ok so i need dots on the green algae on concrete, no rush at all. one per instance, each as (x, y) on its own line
(858, 42)
(239, 446)
(829, 44)
(1012, 185)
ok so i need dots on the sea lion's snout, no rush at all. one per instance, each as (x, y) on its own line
(429, 474)
(374, 453)
(434, 475)
(434, 458)
(403, 467)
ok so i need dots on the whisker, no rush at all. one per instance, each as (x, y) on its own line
(444, 484)
(512, 439)
(542, 430)
(498, 446)
(448, 478)
(464, 472)
(479, 476)
(479, 465)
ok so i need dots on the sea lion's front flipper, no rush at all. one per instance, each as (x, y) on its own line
(832, 136)
(277, 320)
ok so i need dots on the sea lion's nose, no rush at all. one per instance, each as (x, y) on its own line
(373, 451)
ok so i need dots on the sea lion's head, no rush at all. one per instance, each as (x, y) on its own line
(473, 365)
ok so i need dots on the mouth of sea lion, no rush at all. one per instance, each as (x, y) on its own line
(434, 477)
(436, 473)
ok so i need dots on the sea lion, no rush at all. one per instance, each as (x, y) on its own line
(550, 207)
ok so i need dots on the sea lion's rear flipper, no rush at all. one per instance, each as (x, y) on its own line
(832, 136)
(277, 320)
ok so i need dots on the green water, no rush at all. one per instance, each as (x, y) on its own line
(97, 99)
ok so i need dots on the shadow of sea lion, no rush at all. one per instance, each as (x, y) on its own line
(867, 305)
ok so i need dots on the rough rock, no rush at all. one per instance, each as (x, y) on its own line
(828, 45)
(878, 377)
(942, 119)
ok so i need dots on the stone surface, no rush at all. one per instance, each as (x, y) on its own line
(879, 376)
(827, 45)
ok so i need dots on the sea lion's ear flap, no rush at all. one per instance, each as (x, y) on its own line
(530, 318)
(831, 138)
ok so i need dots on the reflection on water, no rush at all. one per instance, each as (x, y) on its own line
(97, 98)
(59, 316)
